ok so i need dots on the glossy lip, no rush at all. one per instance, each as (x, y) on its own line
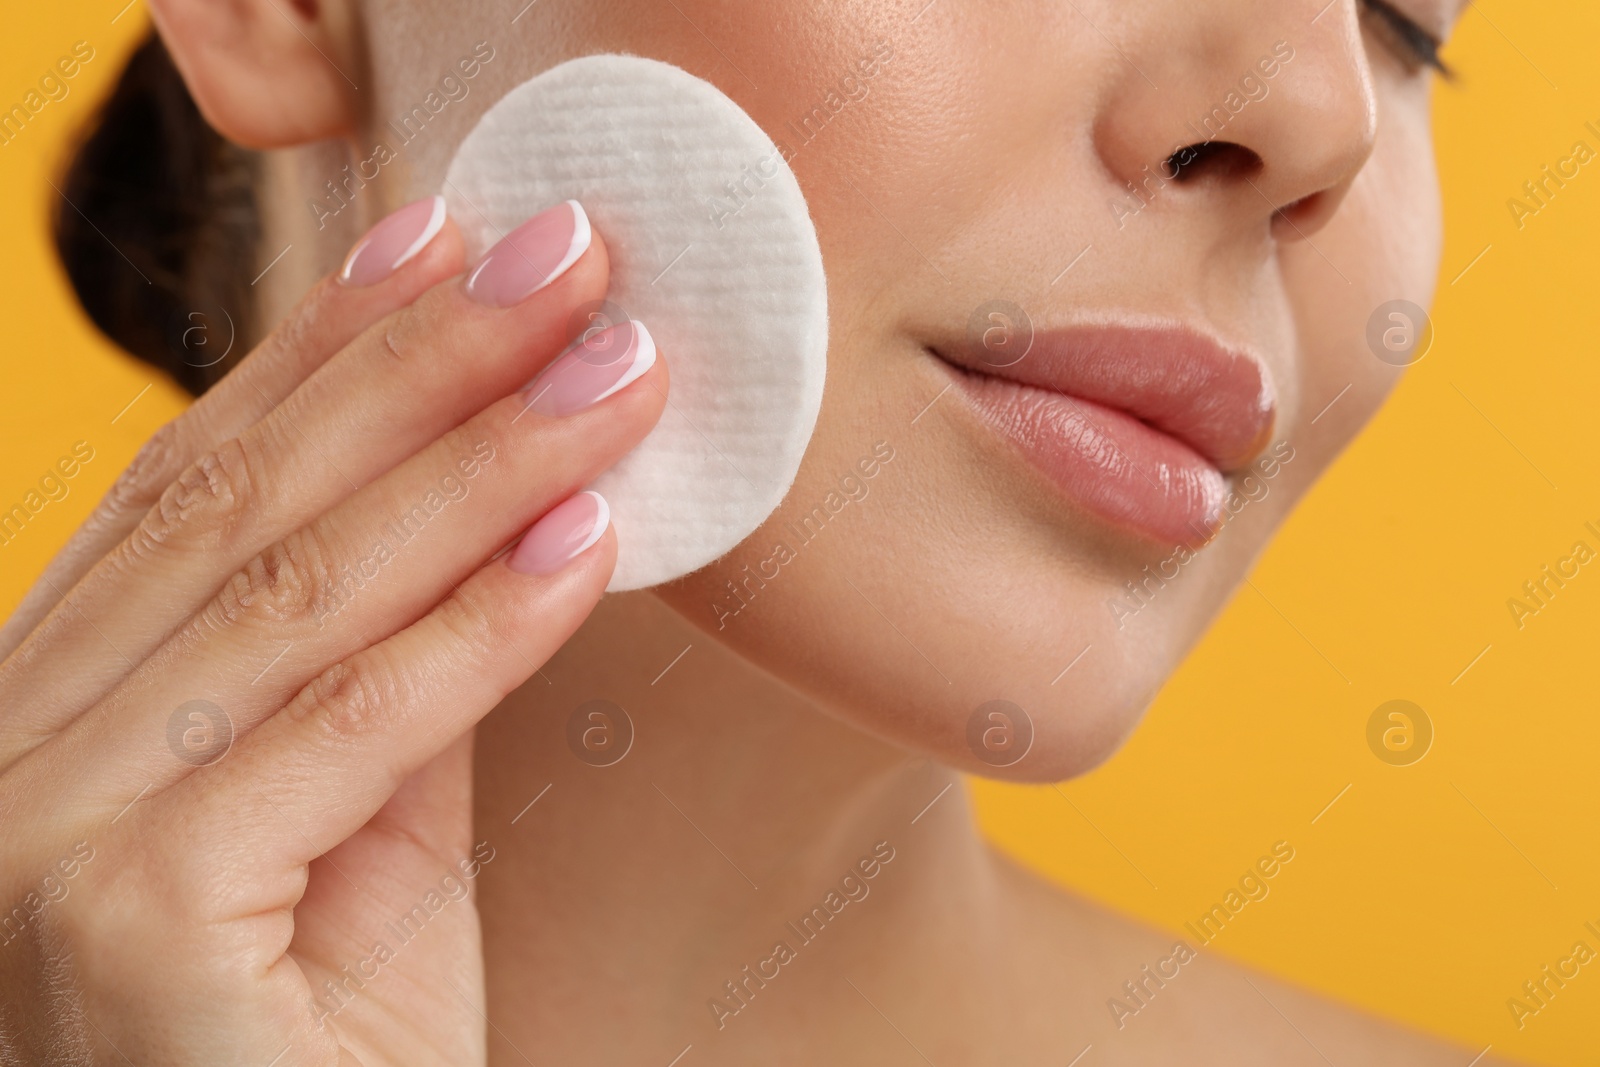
(1137, 424)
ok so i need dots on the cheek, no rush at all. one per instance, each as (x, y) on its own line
(908, 611)
(1386, 240)
(956, 581)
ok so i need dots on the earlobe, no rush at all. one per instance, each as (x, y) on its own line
(267, 73)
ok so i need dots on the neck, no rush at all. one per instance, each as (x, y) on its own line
(740, 818)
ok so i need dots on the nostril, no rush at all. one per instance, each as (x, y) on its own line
(1306, 216)
(1214, 159)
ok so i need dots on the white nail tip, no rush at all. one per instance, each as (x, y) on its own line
(602, 521)
(429, 232)
(644, 357)
(582, 237)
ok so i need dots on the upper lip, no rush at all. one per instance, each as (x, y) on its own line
(1217, 400)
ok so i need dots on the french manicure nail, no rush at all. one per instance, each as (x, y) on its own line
(531, 256)
(595, 367)
(563, 535)
(393, 242)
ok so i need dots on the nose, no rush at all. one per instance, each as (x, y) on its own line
(1249, 109)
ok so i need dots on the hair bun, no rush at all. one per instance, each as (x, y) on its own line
(176, 202)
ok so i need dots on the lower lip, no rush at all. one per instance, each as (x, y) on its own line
(1104, 460)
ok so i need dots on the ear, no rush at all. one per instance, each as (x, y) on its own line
(267, 73)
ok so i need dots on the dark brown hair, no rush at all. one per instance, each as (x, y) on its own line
(157, 226)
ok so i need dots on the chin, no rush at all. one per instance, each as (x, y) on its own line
(1036, 681)
(1058, 705)
(1069, 740)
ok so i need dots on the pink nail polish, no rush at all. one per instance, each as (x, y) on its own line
(393, 242)
(531, 256)
(597, 366)
(565, 532)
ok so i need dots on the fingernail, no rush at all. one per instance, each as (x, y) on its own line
(392, 242)
(600, 364)
(562, 535)
(531, 256)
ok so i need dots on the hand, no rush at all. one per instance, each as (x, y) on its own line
(236, 713)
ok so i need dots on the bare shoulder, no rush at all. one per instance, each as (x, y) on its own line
(1135, 995)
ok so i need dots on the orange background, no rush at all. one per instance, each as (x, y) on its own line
(1427, 893)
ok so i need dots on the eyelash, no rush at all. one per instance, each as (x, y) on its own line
(1420, 48)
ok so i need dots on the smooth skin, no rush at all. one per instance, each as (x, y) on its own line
(769, 756)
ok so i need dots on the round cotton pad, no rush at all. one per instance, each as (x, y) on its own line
(711, 247)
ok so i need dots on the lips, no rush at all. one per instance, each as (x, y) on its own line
(1138, 425)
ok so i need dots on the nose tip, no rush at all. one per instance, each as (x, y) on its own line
(1269, 132)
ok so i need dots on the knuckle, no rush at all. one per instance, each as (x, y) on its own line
(402, 334)
(351, 700)
(114, 876)
(395, 343)
(290, 582)
(472, 631)
(467, 440)
(423, 330)
(141, 881)
(141, 484)
(303, 329)
(208, 503)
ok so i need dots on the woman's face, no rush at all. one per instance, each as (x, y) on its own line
(1055, 369)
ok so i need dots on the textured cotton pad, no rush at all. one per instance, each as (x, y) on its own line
(711, 247)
